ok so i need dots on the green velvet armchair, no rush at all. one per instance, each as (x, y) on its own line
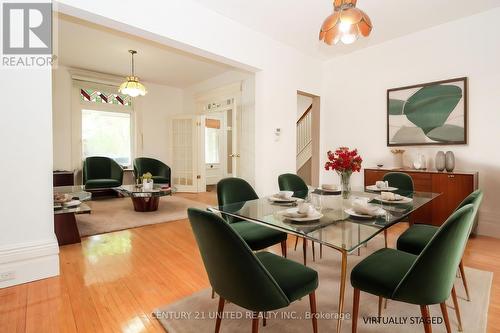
(231, 191)
(101, 173)
(160, 171)
(423, 280)
(258, 282)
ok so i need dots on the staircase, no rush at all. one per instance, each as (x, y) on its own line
(304, 140)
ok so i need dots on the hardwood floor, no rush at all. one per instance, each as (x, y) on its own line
(112, 282)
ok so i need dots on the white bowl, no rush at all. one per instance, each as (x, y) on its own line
(285, 194)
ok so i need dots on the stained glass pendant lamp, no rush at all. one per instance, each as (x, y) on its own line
(132, 86)
(346, 23)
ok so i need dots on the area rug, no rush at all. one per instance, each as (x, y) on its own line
(197, 312)
(112, 214)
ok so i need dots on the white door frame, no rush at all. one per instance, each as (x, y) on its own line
(235, 132)
(232, 91)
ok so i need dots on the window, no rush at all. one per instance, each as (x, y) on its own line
(211, 145)
(212, 140)
(107, 133)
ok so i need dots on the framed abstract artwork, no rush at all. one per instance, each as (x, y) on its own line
(432, 113)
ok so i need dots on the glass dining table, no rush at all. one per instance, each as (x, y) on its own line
(336, 229)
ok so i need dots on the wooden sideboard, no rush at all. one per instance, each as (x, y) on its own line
(453, 186)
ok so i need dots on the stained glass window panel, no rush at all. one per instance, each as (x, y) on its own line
(97, 96)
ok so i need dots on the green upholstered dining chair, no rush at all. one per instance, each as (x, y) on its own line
(423, 280)
(415, 238)
(258, 282)
(400, 180)
(292, 182)
(101, 173)
(236, 190)
(160, 171)
(403, 182)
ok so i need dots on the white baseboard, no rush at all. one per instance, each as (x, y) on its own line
(29, 261)
(489, 224)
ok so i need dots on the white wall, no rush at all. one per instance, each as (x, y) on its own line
(189, 26)
(160, 103)
(152, 114)
(27, 242)
(219, 81)
(354, 97)
(61, 118)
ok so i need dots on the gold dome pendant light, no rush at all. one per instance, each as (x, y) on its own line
(132, 86)
(345, 24)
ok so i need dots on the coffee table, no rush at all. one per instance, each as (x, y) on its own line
(65, 226)
(144, 200)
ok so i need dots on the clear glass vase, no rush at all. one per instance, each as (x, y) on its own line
(345, 183)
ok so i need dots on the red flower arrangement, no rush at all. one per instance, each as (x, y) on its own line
(344, 160)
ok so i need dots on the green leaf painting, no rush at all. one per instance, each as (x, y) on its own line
(429, 107)
(422, 115)
(396, 107)
(409, 135)
(447, 133)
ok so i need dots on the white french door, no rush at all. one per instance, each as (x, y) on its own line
(232, 139)
(188, 153)
(227, 106)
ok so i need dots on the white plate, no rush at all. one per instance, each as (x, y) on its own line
(316, 216)
(331, 191)
(274, 198)
(330, 187)
(377, 189)
(402, 200)
(352, 212)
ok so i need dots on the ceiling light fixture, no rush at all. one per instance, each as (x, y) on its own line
(132, 86)
(345, 24)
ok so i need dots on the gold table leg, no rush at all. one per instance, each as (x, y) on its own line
(343, 276)
(359, 240)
